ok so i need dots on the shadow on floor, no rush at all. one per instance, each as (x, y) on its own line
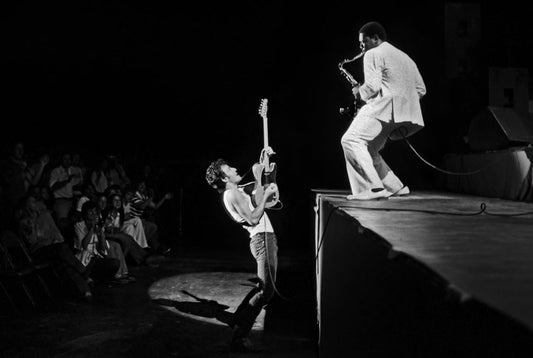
(126, 321)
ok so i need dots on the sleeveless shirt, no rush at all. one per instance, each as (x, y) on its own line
(264, 224)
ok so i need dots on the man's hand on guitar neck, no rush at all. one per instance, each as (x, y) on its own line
(268, 151)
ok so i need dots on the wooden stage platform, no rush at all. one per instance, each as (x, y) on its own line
(431, 273)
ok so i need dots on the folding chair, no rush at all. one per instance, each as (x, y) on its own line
(18, 265)
(6, 293)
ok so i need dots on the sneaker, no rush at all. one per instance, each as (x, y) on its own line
(165, 250)
(244, 345)
(88, 296)
(130, 278)
(90, 282)
(370, 195)
(120, 281)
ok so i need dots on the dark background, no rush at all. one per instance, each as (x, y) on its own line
(181, 83)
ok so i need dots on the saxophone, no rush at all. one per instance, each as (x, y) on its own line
(352, 108)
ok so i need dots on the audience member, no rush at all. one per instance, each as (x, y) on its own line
(133, 225)
(113, 217)
(46, 196)
(46, 243)
(77, 171)
(139, 203)
(116, 174)
(88, 194)
(77, 162)
(99, 176)
(92, 248)
(61, 182)
(17, 176)
(112, 190)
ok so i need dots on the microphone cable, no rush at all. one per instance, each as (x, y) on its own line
(403, 132)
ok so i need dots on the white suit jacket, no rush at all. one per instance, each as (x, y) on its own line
(392, 89)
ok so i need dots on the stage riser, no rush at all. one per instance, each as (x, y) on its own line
(378, 302)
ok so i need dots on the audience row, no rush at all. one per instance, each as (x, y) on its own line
(90, 223)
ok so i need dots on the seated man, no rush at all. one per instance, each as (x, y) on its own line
(93, 250)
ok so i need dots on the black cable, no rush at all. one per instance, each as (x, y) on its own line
(270, 271)
(323, 234)
(482, 210)
(403, 131)
(510, 215)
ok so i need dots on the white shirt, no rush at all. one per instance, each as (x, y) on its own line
(86, 255)
(99, 181)
(59, 174)
(264, 224)
(393, 87)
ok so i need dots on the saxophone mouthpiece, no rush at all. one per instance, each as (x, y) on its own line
(343, 62)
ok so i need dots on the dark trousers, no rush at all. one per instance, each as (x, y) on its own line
(61, 256)
(152, 234)
(130, 247)
(264, 248)
(103, 269)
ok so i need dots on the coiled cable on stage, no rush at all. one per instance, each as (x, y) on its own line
(482, 210)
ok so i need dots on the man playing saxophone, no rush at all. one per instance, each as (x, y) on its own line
(391, 91)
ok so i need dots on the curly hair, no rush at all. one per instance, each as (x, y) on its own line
(374, 28)
(214, 175)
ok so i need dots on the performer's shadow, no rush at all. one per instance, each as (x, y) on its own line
(203, 308)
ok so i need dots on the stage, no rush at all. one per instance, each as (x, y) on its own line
(432, 273)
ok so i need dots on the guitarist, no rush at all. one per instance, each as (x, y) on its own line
(263, 245)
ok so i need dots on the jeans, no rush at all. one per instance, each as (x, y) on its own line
(264, 248)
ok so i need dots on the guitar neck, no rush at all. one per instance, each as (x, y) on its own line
(265, 140)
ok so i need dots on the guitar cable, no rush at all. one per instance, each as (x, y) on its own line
(272, 279)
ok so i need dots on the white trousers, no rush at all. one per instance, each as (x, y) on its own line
(361, 144)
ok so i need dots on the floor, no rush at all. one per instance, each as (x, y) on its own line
(177, 308)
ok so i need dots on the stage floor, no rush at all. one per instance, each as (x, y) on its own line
(483, 247)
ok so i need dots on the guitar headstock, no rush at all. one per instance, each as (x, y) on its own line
(263, 108)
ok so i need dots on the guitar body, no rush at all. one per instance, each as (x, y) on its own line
(263, 179)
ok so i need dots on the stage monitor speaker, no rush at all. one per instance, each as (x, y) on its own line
(497, 128)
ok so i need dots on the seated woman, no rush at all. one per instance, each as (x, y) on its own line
(46, 243)
(104, 260)
(112, 217)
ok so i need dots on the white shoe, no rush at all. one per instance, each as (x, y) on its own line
(370, 195)
(402, 192)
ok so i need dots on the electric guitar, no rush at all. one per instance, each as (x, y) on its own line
(265, 171)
